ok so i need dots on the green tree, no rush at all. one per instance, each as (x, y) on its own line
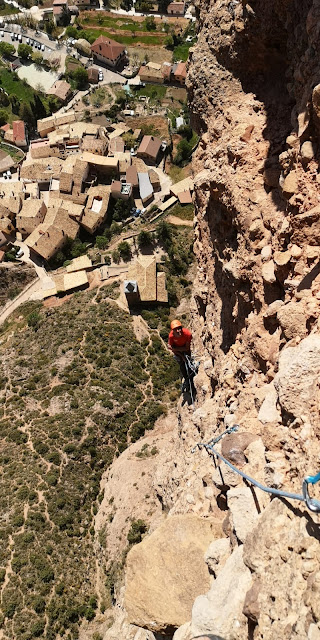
(24, 51)
(3, 117)
(26, 114)
(72, 32)
(101, 242)
(129, 140)
(124, 250)
(164, 233)
(168, 43)
(163, 5)
(39, 108)
(49, 26)
(150, 23)
(121, 210)
(144, 239)
(80, 76)
(37, 58)
(7, 49)
(4, 99)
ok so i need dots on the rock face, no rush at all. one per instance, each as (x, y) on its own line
(166, 572)
(220, 611)
(254, 94)
(297, 382)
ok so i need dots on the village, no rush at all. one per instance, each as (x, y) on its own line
(67, 175)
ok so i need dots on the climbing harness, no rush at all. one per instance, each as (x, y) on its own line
(312, 504)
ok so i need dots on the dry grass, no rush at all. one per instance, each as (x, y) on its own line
(155, 54)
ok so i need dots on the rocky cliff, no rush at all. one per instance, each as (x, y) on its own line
(255, 99)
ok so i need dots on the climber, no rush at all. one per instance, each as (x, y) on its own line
(179, 342)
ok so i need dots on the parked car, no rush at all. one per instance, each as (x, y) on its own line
(12, 36)
(1, 34)
(16, 36)
(100, 76)
(133, 152)
(19, 253)
(28, 41)
(19, 37)
(31, 42)
(42, 47)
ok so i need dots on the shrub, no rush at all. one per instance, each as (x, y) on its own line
(144, 239)
(124, 250)
(137, 529)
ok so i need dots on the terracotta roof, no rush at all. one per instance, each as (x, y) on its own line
(154, 177)
(60, 89)
(116, 145)
(185, 197)
(93, 74)
(107, 48)
(181, 70)
(66, 182)
(57, 11)
(5, 127)
(151, 285)
(132, 176)
(178, 7)
(150, 146)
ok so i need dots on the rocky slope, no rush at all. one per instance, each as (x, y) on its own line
(254, 94)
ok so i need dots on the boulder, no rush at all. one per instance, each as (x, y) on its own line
(292, 318)
(220, 611)
(268, 272)
(243, 511)
(183, 633)
(234, 445)
(298, 377)
(290, 184)
(217, 554)
(268, 411)
(306, 229)
(266, 252)
(296, 252)
(166, 571)
(307, 151)
(282, 258)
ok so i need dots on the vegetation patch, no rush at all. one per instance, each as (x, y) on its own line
(73, 393)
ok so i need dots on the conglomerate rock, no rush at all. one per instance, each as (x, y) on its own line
(253, 85)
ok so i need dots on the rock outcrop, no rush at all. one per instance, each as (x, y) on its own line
(254, 95)
(166, 572)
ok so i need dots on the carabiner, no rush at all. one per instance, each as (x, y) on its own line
(313, 505)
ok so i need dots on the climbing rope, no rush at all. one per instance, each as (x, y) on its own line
(312, 504)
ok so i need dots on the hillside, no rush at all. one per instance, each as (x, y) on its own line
(76, 386)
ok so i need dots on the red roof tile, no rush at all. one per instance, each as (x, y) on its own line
(19, 131)
(107, 48)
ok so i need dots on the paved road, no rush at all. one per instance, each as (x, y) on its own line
(28, 293)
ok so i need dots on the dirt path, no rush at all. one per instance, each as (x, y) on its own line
(179, 222)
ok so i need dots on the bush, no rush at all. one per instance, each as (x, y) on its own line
(124, 250)
(137, 529)
(145, 238)
(33, 319)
